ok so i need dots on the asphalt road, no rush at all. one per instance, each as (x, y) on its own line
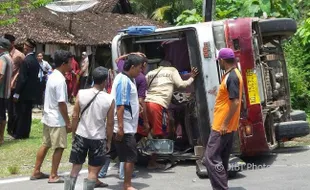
(285, 169)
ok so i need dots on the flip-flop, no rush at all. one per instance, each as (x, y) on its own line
(59, 180)
(42, 176)
(101, 185)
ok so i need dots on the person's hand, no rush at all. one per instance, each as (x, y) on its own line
(119, 134)
(139, 53)
(224, 128)
(108, 147)
(140, 108)
(194, 72)
(68, 127)
(146, 127)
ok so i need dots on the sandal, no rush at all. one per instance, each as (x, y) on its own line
(41, 176)
(101, 185)
(58, 180)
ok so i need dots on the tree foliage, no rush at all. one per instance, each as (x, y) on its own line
(189, 17)
(10, 8)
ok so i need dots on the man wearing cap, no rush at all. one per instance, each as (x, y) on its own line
(225, 121)
(84, 70)
(5, 81)
(26, 91)
(18, 58)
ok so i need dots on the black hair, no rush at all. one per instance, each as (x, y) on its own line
(100, 74)
(133, 60)
(230, 60)
(10, 37)
(40, 52)
(61, 57)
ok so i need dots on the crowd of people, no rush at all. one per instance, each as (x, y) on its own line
(24, 77)
(106, 122)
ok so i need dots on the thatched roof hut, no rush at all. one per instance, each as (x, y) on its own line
(96, 26)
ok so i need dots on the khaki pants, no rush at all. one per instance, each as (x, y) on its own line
(54, 137)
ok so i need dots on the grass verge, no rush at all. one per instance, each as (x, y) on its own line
(17, 157)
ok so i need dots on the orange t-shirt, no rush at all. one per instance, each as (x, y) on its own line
(230, 88)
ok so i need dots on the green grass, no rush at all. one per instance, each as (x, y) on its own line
(18, 156)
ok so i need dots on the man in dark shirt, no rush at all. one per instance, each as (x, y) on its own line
(225, 122)
(26, 91)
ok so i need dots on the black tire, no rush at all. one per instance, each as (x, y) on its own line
(278, 27)
(291, 129)
(298, 115)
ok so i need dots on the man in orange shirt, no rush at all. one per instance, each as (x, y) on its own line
(225, 121)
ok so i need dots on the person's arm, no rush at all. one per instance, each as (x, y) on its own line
(179, 82)
(2, 70)
(75, 115)
(121, 57)
(64, 113)
(122, 99)
(142, 88)
(110, 122)
(48, 66)
(233, 88)
(61, 89)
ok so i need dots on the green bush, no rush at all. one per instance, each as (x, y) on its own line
(298, 61)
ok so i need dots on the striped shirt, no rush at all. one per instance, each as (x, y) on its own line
(6, 68)
(125, 94)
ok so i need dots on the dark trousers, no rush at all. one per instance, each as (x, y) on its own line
(11, 114)
(217, 159)
(40, 100)
(83, 82)
(22, 122)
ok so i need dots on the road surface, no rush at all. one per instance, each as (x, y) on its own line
(285, 169)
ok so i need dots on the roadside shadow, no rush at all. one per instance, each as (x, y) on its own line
(136, 185)
(237, 188)
(293, 149)
(237, 176)
(259, 162)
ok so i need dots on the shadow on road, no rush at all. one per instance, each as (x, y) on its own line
(237, 188)
(295, 149)
(136, 185)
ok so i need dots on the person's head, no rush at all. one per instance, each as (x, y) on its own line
(84, 55)
(133, 65)
(165, 63)
(4, 45)
(11, 38)
(29, 46)
(40, 56)
(100, 75)
(62, 60)
(226, 58)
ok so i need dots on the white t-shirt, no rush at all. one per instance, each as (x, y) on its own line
(55, 92)
(125, 93)
(92, 124)
(45, 67)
